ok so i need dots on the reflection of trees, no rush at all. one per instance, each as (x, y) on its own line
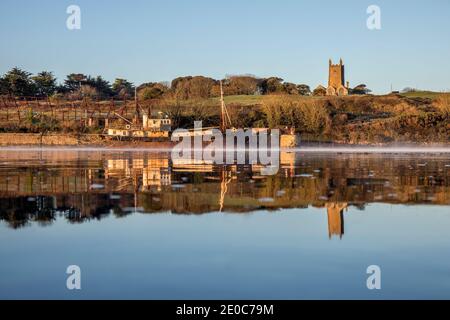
(18, 212)
(83, 190)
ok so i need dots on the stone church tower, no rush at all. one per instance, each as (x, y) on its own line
(336, 80)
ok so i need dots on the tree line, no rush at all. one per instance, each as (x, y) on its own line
(20, 83)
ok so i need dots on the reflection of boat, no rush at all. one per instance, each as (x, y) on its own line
(192, 165)
(98, 182)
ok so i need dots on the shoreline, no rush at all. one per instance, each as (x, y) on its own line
(354, 149)
(94, 142)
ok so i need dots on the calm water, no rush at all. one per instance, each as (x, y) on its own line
(142, 226)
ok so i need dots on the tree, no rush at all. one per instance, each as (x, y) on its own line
(272, 85)
(290, 88)
(304, 90)
(4, 88)
(180, 87)
(320, 91)
(360, 89)
(74, 81)
(122, 88)
(174, 111)
(86, 91)
(102, 86)
(245, 85)
(189, 87)
(152, 90)
(18, 83)
(45, 83)
(200, 87)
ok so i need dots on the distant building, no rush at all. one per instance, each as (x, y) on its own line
(336, 80)
(157, 123)
(158, 126)
(320, 91)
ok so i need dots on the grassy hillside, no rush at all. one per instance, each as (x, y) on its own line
(423, 94)
(241, 99)
(351, 119)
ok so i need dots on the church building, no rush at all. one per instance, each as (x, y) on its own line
(336, 80)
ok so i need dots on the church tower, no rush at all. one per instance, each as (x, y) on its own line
(336, 80)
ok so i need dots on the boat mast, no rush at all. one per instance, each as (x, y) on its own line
(137, 112)
(223, 126)
(224, 116)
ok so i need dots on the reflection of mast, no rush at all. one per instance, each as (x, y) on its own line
(223, 188)
(136, 190)
(336, 219)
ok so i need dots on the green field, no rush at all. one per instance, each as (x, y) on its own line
(257, 99)
(423, 94)
(241, 99)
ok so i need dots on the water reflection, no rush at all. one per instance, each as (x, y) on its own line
(39, 187)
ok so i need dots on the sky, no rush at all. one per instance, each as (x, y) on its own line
(152, 41)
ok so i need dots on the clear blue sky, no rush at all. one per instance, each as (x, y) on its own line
(159, 40)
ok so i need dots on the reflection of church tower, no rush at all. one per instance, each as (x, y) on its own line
(336, 219)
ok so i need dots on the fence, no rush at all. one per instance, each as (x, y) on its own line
(19, 111)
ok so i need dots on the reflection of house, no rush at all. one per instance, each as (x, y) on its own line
(336, 219)
(117, 167)
(155, 177)
(154, 172)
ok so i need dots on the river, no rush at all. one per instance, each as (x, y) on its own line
(142, 226)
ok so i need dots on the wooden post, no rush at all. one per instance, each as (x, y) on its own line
(18, 108)
(111, 107)
(48, 102)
